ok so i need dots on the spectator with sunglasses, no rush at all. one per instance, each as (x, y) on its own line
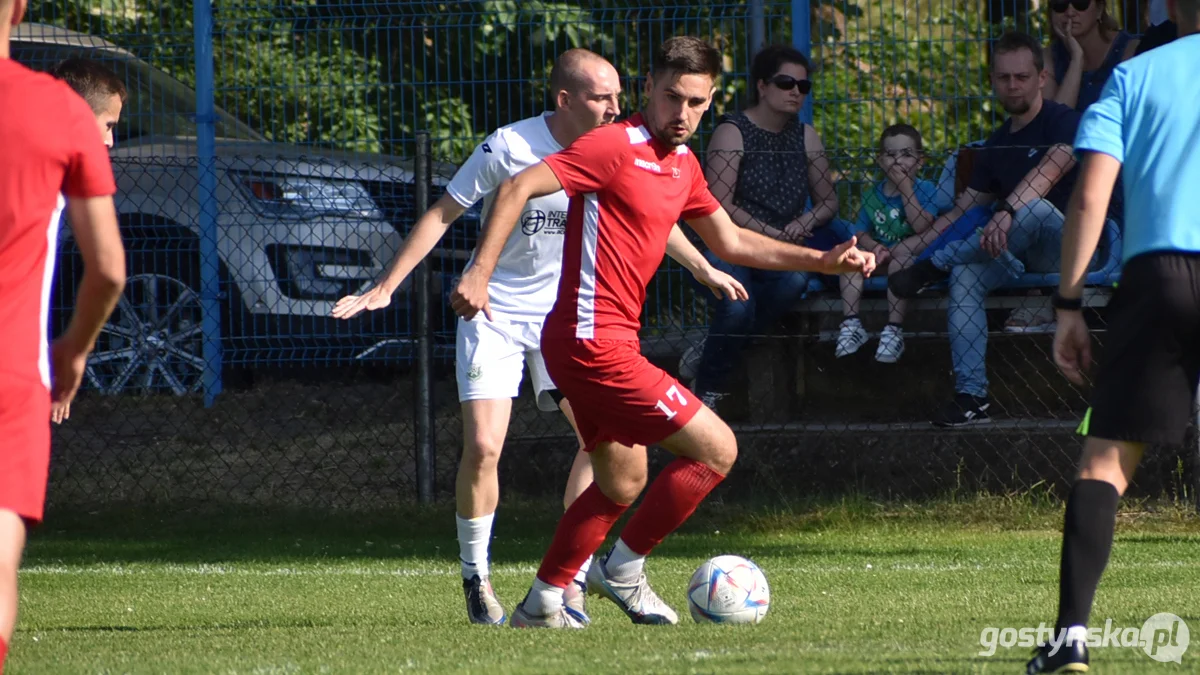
(1086, 46)
(764, 165)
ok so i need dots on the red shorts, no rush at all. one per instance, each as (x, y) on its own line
(24, 446)
(616, 394)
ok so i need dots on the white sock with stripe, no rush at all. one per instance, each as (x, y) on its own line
(474, 535)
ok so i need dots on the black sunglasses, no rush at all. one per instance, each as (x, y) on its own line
(786, 82)
(1060, 6)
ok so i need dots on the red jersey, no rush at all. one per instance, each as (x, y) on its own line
(627, 190)
(51, 147)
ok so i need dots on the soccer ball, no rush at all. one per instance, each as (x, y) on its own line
(728, 589)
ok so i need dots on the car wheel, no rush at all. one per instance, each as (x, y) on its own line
(153, 341)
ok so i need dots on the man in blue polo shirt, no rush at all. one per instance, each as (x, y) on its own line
(1017, 194)
(1145, 125)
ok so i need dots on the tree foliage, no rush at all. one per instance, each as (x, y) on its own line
(366, 75)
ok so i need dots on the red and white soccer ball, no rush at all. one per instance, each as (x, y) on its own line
(728, 589)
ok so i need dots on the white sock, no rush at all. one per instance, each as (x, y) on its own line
(474, 534)
(581, 575)
(543, 599)
(1076, 634)
(623, 564)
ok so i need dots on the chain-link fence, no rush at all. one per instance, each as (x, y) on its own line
(223, 378)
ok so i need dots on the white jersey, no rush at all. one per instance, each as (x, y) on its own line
(524, 284)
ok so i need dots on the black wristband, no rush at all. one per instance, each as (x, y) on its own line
(1004, 206)
(1069, 304)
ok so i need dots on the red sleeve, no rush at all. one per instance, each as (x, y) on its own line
(592, 160)
(700, 202)
(89, 172)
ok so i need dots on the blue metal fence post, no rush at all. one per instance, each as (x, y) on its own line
(758, 22)
(802, 40)
(206, 165)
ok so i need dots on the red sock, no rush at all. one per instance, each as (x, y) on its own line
(580, 532)
(671, 499)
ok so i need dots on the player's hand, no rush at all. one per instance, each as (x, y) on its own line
(60, 412)
(471, 295)
(376, 298)
(1072, 346)
(721, 284)
(847, 257)
(994, 238)
(67, 364)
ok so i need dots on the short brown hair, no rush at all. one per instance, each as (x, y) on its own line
(94, 82)
(1015, 41)
(901, 130)
(686, 55)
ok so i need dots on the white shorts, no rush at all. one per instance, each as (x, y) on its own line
(489, 358)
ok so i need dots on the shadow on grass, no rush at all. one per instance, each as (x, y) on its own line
(203, 534)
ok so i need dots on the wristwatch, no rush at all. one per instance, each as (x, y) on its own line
(1004, 206)
(1070, 304)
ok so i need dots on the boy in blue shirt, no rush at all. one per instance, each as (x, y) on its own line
(893, 214)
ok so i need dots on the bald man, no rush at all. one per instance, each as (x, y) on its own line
(493, 348)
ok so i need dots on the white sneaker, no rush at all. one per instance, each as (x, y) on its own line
(565, 617)
(639, 602)
(1031, 320)
(690, 361)
(891, 344)
(575, 598)
(851, 337)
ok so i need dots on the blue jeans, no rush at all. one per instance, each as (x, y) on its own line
(772, 294)
(1034, 245)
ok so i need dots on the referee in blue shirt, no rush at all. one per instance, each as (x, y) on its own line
(1146, 124)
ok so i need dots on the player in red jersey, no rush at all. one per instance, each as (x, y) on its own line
(629, 183)
(105, 94)
(52, 148)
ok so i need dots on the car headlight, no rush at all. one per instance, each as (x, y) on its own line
(302, 197)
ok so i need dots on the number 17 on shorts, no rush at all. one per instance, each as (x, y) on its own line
(675, 398)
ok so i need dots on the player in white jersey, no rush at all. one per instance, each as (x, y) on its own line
(494, 346)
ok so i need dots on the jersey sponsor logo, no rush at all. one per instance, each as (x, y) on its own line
(647, 165)
(486, 148)
(536, 220)
(674, 172)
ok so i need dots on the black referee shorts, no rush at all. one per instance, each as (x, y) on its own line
(1146, 382)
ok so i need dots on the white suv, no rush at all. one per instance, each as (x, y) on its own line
(297, 228)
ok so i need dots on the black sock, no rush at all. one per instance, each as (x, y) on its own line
(1087, 542)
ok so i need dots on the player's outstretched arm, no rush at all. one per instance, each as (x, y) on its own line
(683, 252)
(93, 221)
(751, 249)
(426, 233)
(471, 295)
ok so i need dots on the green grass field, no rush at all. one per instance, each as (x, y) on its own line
(856, 588)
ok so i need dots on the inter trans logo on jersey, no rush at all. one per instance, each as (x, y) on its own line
(535, 221)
